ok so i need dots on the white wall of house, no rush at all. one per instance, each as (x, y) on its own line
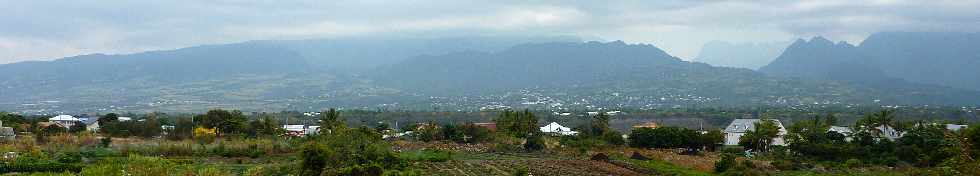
(732, 138)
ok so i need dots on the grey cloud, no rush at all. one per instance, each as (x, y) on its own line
(49, 29)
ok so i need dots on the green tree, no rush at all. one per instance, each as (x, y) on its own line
(600, 124)
(830, 120)
(663, 137)
(711, 139)
(183, 129)
(107, 118)
(227, 122)
(926, 146)
(726, 162)
(148, 127)
(761, 137)
(972, 139)
(77, 128)
(265, 126)
(358, 151)
(518, 124)
(330, 120)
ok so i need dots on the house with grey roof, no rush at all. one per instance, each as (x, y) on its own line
(738, 128)
(846, 131)
(955, 127)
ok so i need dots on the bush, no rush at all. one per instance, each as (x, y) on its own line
(68, 157)
(853, 163)
(37, 163)
(725, 163)
(105, 141)
(534, 143)
(613, 138)
(430, 155)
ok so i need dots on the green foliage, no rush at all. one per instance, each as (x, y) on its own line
(972, 136)
(183, 129)
(518, 124)
(660, 167)
(672, 137)
(926, 145)
(726, 162)
(105, 142)
(534, 143)
(265, 126)
(761, 137)
(77, 128)
(613, 137)
(108, 118)
(227, 122)
(475, 134)
(40, 163)
(347, 152)
(68, 157)
(330, 120)
(600, 124)
(429, 155)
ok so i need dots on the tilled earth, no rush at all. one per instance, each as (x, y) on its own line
(535, 166)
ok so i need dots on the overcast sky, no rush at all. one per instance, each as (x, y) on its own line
(44, 30)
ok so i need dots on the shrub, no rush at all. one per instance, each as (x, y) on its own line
(430, 155)
(726, 162)
(68, 157)
(105, 141)
(853, 163)
(613, 137)
(534, 143)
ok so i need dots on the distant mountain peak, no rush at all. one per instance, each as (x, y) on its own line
(819, 40)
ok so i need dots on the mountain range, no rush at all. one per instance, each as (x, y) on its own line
(925, 58)
(454, 73)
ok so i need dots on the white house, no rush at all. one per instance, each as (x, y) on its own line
(294, 129)
(955, 127)
(889, 132)
(91, 124)
(555, 128)
(738, 128)
(64, 120)
(846, 131)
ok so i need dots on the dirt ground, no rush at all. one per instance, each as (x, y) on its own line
(534, 166)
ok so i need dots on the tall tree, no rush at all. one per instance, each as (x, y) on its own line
(761, 137)
(600, 124)
(110, 117)
(330, 120)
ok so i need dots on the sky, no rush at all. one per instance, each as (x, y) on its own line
(48, 29)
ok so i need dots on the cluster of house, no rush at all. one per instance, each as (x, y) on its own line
(735, 130)
(91, 123)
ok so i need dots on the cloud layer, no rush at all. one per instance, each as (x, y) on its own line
(42, 30)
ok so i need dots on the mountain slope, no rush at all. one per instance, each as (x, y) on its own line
(946, 59)
(888, 59)
(635, 70)
(823, 59)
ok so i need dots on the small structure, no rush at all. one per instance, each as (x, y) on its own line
(294, 130)
(91, 124)
(843, 130)
(311, 130)
(738, 128)
(65, 121)
(489, 126)
(555, 128)
(7, 133)
(647, 125)
(888, 132)
(955, 127)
